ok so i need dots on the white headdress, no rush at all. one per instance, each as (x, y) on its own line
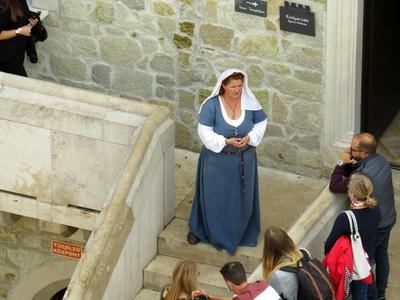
(249, 101)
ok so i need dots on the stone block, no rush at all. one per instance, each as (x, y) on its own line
(27, 168)
(184, 59)
(188, 77)
(52, 227)
(167, 81)
(182, 42)
(187, 27)
(296, 88)
(309, 76)
(87, 180)
(26, 259)
(307, 140)
(204, 94)
(274, 130)
(261, 46)
(104, 12)
(306, 116)
(132, 83)
(269, 25)
(119, 50)
(188, 119)
(263, 97)
(186, 99)
(216, 36)
(149, 45)
(280, 150)
(279, 110)
(68, 67)
(166, 93)
(163, 9)
(306, 57)
(163, 63)
(278, 68)
(7, 237)
(8, 219)
(256, 75)
(166, 26)
(135, 4)
(83, 45)
(76, 9)
(46, 4)
(101, 75)
(183, 137)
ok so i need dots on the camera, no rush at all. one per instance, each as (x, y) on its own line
(201, 297)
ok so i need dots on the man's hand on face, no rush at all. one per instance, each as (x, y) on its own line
(346, 157)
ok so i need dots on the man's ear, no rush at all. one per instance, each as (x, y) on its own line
(228, 284)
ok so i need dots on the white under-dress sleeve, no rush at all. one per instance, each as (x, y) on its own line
(211, 140)
(257, 133)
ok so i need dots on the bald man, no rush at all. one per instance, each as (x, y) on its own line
(362, 158)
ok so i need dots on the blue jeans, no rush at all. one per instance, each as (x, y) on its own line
(382, 266)
(359, 290)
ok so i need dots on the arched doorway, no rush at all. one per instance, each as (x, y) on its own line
(44, 282)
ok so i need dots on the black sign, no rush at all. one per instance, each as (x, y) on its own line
(252, 7)
(297, 18)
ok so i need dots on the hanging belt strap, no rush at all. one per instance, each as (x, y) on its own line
(242, 188)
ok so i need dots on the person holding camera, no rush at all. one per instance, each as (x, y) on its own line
(184, 282)
(15, 28)
(235, 279)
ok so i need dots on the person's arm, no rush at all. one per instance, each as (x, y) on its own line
(340, 178)
(211, 140)
(213, 297)
(341, 174)
(340, 227)
(257, 133)
(209, 296)
(260, 125)
(24, 30)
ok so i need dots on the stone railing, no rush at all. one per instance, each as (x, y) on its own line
(126, 237)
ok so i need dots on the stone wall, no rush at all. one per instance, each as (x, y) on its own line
(169, 52)
(24, 247)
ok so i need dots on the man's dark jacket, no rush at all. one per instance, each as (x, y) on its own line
(376, 168)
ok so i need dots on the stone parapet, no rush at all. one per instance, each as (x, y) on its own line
(77, 158)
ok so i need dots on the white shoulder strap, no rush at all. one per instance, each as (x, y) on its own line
(353, 222)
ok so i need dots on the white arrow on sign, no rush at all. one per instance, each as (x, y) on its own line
(252, 3)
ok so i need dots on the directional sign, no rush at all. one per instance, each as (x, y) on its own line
(297, 18)
(252, 7)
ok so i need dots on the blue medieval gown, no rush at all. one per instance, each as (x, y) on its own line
(225, 210)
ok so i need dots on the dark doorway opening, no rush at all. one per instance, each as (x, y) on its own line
(380, 104)
(59, 295)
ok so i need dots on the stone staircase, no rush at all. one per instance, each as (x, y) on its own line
(283, 198)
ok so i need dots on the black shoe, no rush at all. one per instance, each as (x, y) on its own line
(192, 239)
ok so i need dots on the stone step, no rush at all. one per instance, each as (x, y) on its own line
(146, 294)
(158, 274)
(172, 242)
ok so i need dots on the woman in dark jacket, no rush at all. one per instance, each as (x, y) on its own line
(15, 28)
(368, 217)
